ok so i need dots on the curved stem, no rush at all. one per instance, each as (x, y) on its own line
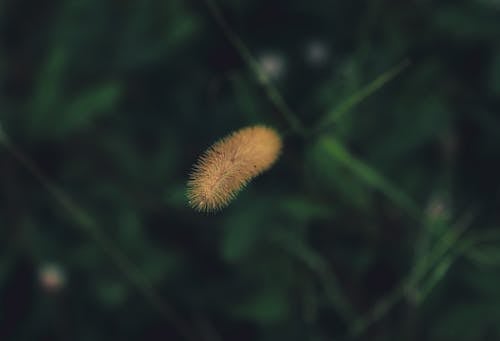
(272, 92)
(85, 222)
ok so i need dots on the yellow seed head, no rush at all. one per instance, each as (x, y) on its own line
(228, 165)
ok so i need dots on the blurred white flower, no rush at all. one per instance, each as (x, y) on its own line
(437, 208)
(271, 65)
(51, 278)
(317, 53)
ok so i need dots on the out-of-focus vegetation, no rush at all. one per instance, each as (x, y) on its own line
(379, 222)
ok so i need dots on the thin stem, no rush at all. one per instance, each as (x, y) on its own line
(272, 92)
(88, 226)
(418, 273)
(315, 262)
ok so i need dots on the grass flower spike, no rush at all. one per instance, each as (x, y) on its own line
(228, 165)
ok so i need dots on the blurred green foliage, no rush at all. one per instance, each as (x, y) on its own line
(380, 221)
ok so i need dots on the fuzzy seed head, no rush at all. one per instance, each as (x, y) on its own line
(228, 165)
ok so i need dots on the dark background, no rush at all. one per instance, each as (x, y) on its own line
(383, 225)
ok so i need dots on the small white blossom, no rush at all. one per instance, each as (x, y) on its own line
(437, 208)
(51, 278)
(317, 53)
(271, 65)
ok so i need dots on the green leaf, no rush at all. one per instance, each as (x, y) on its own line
(435, 277)
(181, 30)
(335, 114)
(88, 106)
(111, 292)
(267, 305)
(301, 209)
(422, 124)
(484, 255)
(298, 248)
(367, 174)
(49, 91)
(332, 176)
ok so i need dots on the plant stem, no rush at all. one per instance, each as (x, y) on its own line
(272, 92)
(89, 227)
